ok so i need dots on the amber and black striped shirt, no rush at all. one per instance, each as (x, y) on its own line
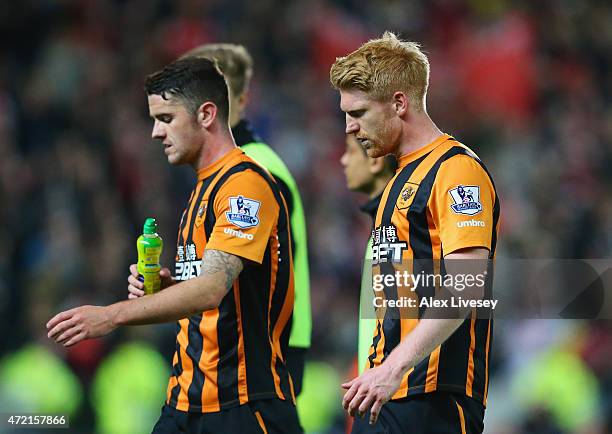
(441, 200)
(235, 353)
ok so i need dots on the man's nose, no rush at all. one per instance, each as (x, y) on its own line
(351, 126)
(158, 130)
(343, 159)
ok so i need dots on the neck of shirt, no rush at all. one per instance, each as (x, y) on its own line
(406, 159)
(209, 170)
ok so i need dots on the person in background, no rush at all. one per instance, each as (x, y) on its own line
(236, 64)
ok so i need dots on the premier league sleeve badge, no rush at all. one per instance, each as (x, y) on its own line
(466, 199)
(243, 212)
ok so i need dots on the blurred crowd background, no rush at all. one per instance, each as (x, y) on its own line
(528, 85)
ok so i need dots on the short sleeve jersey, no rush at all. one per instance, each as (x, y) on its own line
(247, 213)
(235, 353)
(441, 200)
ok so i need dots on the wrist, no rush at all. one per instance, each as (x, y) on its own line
(396, 368)
(114, 314)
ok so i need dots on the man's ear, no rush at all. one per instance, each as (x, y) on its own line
(400, 103)
(207, 113)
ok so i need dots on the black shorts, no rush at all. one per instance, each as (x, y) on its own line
(295, 364)
(430, 413)
(271, 416)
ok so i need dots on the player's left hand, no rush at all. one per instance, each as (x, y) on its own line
(370, 391)
(84, 322)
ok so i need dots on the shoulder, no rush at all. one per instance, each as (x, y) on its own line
(462, 185)
(464, 164)
(249, 181)
(263, 154)
(244, 169)
(248, 175)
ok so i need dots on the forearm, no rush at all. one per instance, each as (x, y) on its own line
(180, 300)
(435, 328)
(422, 341)
(184, 299)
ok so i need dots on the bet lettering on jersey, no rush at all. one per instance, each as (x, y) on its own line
(386, 245)
(187, 264)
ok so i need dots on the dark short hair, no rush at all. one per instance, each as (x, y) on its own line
(192, 80)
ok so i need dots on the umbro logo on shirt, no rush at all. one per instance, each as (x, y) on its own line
(471, 223)
(237, 234)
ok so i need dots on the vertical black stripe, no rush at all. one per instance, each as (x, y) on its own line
(182, 224)
(205, 185)
(375, 342)
(496, 209)
(177, 369)
(227, 338)
(255, 293)
(281, 365)
(478, 386)
(194, 352)
(454, 354)
(179, 239)
(488, 361)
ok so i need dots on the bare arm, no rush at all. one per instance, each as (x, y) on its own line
(181, 300)
(186, 298)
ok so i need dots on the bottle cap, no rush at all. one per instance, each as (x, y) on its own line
(150, 226)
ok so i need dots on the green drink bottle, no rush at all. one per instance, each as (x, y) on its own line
(149, 246)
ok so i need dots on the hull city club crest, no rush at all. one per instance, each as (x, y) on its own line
(467, 199)
(243, 212)
(201, 214)
(407, 195)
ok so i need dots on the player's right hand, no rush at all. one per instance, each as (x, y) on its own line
(136, 281)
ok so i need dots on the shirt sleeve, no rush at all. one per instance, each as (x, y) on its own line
(461, 204)
(246, 215)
